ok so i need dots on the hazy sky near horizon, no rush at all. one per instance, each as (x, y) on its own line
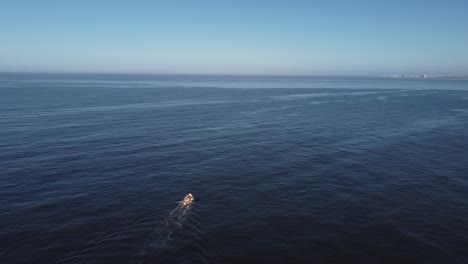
(330, 37)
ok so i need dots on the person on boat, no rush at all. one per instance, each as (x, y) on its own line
(188, 199)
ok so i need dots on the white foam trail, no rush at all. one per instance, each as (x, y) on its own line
(173, 231)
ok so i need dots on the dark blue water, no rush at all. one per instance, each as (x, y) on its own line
(284, 170)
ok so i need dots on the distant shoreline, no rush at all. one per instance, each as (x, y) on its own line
(423, 76)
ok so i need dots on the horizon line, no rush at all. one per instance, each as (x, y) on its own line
(232, 74)
(191, 74)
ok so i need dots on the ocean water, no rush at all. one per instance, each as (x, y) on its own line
(283, 169)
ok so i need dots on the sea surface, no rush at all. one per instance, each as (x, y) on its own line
(283, 169)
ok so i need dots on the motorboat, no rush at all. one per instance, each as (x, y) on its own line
(188, 199)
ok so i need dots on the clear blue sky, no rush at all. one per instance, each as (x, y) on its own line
(235, 37)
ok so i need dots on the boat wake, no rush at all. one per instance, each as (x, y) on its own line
(178, 232)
